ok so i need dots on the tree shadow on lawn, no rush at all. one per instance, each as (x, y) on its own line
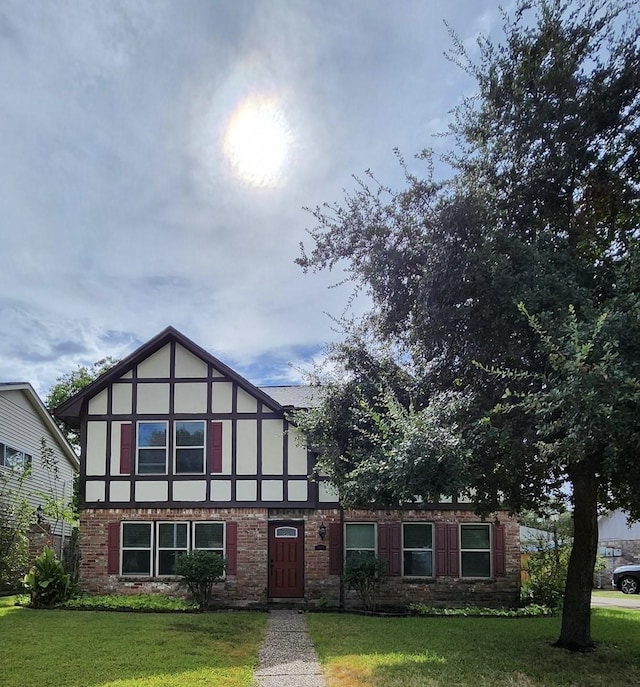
(100, 649)
(500, 652)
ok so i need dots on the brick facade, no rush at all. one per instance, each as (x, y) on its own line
(249, 584)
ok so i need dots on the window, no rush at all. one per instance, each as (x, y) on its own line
(286, 533)
(173, 540)
(475, 550)
(137, 543)
(13, 459)
(152, 448)
(360, 540)
(189, 448)
(417, 538)
(209, 536)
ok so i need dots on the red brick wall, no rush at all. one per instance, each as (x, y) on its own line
(250, 583)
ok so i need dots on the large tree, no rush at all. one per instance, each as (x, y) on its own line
(509, 291)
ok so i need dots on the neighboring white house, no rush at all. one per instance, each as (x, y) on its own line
(24, 422)
(618, 542)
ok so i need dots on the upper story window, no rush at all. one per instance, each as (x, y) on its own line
(417, 549)
(152, 448)
(360, 540)
(14, 459)
(475, 550)
(190, 443)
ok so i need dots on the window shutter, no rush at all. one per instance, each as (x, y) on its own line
(453, 549)
(389, 548)
(335, 548)
(215, 456)
(113, 549)
(125, 449)
(447, 549)
(441, 548)
(232, 548)
(499, 557)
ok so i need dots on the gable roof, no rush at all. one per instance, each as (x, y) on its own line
(70, 410)
(45, 416)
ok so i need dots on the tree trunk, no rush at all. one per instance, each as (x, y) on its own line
(575, 633)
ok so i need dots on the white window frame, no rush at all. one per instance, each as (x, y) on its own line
(374, 550)
(418, 550)
(26, 459)
(489, 550)
(137, 548)
(203, 447)
(159, 548)
(138, 447)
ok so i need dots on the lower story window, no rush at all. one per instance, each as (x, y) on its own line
(417, 549)
(173, 540)
(360, 541)
(209, 536)
(475, 550)
(137, 546)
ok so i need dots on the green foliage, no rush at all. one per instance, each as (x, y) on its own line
(46, 582)
(16, 515)
(542, 210)
(546, 573)
(530, 611)
(69, 384)
(200, 571)
(364, 575)
(132, 602)
(71, 557)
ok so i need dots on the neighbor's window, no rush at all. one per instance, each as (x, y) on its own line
(152, 448)
(475, 550)
(137, 542)
(209, 536)
(360, 540)
(189, 448)
(417, 543)
(14, 459)
(173, 540)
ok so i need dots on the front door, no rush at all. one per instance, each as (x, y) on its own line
(286, 564)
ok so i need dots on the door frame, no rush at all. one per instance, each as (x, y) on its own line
(272, 525)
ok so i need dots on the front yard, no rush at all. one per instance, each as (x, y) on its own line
(97, 649)
(361, 651)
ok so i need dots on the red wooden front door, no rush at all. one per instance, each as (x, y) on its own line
(286, 564)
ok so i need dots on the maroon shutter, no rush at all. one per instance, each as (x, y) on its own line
(125, 449)
(389, 547)
(215, 456)
(335, 548)
(447, 549)
(499, 558)
(113, 549)
(232, 548)
(453, 550)
(441, 548)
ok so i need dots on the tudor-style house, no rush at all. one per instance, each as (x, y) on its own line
(179, 452)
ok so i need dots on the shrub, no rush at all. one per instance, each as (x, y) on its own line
(200, 570)
(364, 576)
(546, 569)
(47, 582)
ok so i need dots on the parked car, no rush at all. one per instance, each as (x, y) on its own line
(626, 578)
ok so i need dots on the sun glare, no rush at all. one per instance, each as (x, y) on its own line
(257, 141)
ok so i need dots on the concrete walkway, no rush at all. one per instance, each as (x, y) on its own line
(287, 656)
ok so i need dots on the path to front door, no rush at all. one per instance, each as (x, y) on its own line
(286, 560)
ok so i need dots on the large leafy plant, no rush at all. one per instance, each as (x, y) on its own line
(47, 582)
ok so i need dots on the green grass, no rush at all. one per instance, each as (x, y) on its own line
(359, 651)
(55, 648)
(610, 594)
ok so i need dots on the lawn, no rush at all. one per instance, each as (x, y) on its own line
(359, 651)
(42, 648)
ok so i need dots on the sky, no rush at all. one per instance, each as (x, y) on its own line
(156, 159)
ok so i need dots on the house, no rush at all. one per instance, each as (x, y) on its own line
(618, 542)
(24, 424)
(180, 452)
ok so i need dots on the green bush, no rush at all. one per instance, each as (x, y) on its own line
(200, 570)
(364, 575)
(132, 602)
(546, 569)
(47, 582)
(531, 611)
